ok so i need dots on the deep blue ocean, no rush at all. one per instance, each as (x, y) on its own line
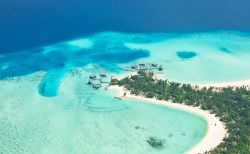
(32, 23)
(27, 26)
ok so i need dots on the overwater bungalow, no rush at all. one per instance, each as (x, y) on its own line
(154, 64)
(143, 67)
(97, 86)
(142, 64)
(103, 75)
(134, 67)
(89, 82)
(92, 76)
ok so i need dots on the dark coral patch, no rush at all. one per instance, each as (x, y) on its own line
(186, 54)
(226, 50)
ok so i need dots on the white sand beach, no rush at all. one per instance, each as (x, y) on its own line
(241, 83)
(216, 130)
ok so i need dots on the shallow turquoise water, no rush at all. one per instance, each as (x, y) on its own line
(219, 57)
(56, 112)
(80, 120)
(201, 58)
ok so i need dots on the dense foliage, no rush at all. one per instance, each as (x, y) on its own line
(232, 105)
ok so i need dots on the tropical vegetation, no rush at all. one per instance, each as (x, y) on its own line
(230, 104)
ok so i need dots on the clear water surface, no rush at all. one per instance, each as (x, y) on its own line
(47, 107)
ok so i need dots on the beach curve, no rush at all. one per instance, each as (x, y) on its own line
(216, 130)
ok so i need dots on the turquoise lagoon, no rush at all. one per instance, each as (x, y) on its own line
(79, 120)
(47, 107)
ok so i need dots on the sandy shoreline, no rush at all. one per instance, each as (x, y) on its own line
(216, 130)
(241, 83)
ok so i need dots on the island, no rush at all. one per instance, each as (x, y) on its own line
(229, 105)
